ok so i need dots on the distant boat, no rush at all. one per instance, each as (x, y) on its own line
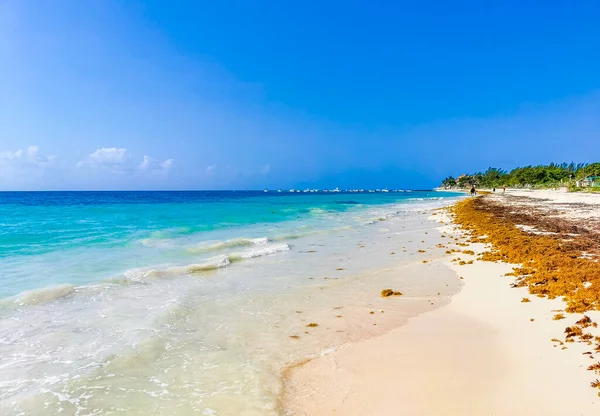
(265, 190)
(385, 190)
(279, 190)
(336, 190)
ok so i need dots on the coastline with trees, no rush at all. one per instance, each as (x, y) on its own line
(573, 176)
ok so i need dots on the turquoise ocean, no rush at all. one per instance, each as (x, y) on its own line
(185, 302)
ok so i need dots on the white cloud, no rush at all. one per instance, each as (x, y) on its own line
(264, 170)
(119, 160)
(36, 158)
(108, 158)
(149, 164)
(28, 157)
(110, 155)
(10, 155)
(24, 165)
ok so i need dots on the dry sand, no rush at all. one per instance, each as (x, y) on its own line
(557, 196)
(582, 207)
(480, 355)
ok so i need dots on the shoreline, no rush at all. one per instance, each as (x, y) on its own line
(242, 323)
(486, 352)
(436, 293)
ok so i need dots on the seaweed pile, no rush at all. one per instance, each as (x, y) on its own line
(556, 257)
(385, 293)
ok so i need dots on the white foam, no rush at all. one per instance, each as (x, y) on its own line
(211, 264)
(214, 263)
(34, 297)
(222, 245)
(263, 251)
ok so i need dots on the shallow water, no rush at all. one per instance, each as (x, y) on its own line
(150, 304)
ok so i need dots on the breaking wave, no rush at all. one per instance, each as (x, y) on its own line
(142, 276)
(215, 263)
(261, 242)
(259, 252)
(436, 198)
(222, 245)
(37, 296)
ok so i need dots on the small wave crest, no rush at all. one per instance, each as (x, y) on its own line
(48, 294)
(222, 245)
(259, 252)
(381, 218)
(433, 198)
(215, 263)
(318, 211)
(214, 246)
(144, 276)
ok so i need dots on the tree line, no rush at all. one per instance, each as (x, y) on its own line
(552, 175)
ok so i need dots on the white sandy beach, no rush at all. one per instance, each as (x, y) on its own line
(557, 196)
(486, 353)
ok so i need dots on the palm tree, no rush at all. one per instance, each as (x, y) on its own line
(449, 182)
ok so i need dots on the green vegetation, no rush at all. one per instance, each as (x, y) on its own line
(571, 175)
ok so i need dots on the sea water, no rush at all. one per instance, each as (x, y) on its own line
(196, 302)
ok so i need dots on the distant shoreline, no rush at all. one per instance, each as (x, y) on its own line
(374, 190)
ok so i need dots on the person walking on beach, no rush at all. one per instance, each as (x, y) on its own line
(473, 191)
(504, 189)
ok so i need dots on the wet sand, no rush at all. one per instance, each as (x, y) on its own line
(486, 353)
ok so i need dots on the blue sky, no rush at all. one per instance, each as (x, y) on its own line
(110, 94)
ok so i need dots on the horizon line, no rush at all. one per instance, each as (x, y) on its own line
(216, 190)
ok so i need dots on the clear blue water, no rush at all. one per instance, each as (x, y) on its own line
(184, 303)
(79, 238)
